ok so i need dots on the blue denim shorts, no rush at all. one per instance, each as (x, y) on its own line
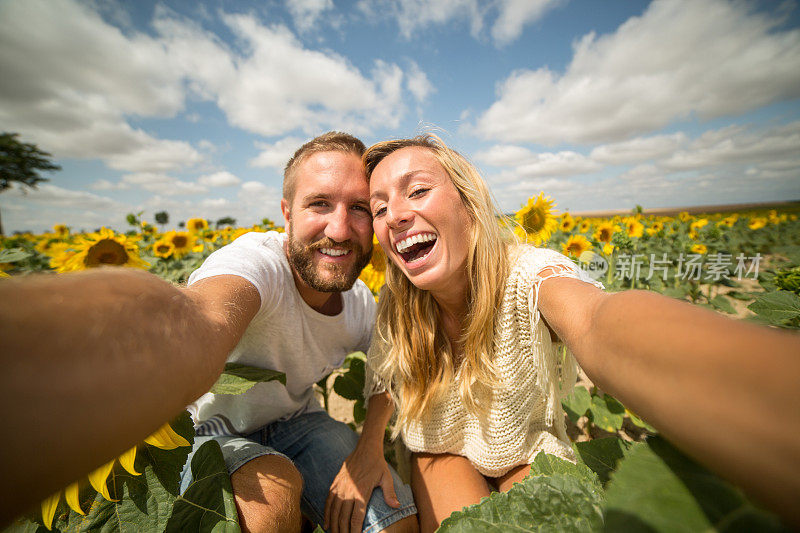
(317, 445)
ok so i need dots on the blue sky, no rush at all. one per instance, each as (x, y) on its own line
(194, 107)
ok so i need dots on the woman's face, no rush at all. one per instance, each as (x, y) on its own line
(419, 219)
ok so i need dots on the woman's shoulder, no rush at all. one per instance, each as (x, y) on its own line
(529, 264)
(524, 258)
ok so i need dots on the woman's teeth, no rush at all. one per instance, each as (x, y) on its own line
(408, 242)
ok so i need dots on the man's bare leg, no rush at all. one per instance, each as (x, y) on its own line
(267, 492)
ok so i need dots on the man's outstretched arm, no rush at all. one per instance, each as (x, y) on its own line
(93, 362)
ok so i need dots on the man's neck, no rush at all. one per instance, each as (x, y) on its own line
(326, 303)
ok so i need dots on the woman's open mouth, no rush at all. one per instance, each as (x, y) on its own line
(416, 247)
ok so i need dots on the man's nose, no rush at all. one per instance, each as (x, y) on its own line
(339, 225)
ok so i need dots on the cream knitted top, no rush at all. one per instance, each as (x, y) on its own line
(523, 415)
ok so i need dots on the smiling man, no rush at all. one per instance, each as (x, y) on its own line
(300, 310)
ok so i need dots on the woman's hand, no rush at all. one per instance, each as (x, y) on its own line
(350, 492)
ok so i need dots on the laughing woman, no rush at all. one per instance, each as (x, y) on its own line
(466, 352)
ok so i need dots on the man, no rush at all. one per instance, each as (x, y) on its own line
(306, 312)
(286, 302)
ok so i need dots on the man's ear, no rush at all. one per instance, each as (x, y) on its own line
(287, 213)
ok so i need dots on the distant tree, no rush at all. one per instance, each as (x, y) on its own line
(181, 224)
(162, 218)
(226, 221)
(21, 162)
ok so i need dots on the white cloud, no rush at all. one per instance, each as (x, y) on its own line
(527, 164)
(68, 90)
(504, 155)
(277, 154)
(305, 13)
(515, 14)
(275, 85)
(418, 84)
(162, 184)
(52, 195)
(413, 15)
(664, 66)
(638, 149)
(219, 179)
(734, 145)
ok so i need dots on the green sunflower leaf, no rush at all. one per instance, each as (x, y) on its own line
(658, 488)
(238, 378)
(607, 413)
(577, 403)
(601, 455)
(350, 384)
(207, 505)
(567, 499)
(12, 255)
(777, 307)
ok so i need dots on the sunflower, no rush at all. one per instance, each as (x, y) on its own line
(576, 245)
(60, 253)
(633, 227)
(605, 230)
(165, 438)
(699, 248)
(684, 216)
(567, 223)
(536, 219)
(374, 274)
(196, 225)
(655, 228)
(608, 249)
(61, 230)
(183, 241)
(147, 228)
(584, 226)
(699, 223)
(757, 223)
(163, 248)
(103, 248)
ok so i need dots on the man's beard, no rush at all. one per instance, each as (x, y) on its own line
(340, 278)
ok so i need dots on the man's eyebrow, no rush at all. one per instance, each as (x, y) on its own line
(316, 196)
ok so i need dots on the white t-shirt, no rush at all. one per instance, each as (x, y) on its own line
(286, 335)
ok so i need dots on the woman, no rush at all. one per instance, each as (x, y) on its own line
(466, 351)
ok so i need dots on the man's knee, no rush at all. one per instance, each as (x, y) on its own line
(267, 490)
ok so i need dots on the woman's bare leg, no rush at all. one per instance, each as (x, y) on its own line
(443, 483)
(515, 475)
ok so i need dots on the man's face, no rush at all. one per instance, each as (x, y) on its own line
(328, 223)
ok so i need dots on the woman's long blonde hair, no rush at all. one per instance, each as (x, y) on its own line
(419, 365)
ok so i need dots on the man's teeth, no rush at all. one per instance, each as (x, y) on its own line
(407, 243)
(334, 252)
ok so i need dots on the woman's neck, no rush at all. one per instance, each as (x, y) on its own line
(453, 306)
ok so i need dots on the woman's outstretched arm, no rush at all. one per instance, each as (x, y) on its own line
(725, 391)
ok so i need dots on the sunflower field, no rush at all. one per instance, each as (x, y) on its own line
(743, 264)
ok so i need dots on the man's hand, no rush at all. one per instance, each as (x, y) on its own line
(361, 472)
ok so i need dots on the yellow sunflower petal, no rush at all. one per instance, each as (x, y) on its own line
(99, 477)
(49, 509)
(127, 460)
(166, 438)
(71, 494)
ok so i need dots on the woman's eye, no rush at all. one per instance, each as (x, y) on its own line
(419, 192)
(379, 211)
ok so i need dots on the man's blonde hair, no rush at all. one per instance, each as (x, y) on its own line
(420, 365)
(333, 141)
